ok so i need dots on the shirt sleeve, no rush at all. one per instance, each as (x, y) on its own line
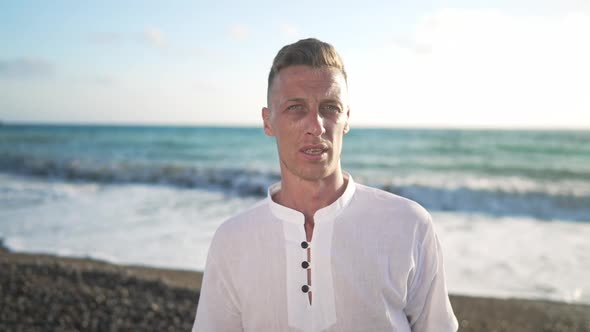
(428, 307)
(218, 308)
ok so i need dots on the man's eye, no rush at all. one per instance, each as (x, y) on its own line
(295, 107)
(331, 108)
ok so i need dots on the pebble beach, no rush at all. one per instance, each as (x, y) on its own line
(50, 293)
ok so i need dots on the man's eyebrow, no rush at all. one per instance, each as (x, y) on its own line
(331, 100)
(295, 99)
(303, 101)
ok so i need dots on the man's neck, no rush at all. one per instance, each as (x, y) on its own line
(307, 196)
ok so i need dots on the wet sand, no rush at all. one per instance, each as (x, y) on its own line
(49, 293)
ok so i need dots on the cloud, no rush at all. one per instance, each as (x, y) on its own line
(152, 36)
(155, 37)
(208, 53)
(412, 46)
(103, 80)
(26, 67)
(105, 38)
(289, 30)
(484, 67)
(239, 32)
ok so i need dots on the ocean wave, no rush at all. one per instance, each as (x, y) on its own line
(539, 205)
(500, 196)
(243, 182)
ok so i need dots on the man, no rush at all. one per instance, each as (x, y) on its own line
(321, 253)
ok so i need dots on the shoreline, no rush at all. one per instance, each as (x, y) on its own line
(40, 292)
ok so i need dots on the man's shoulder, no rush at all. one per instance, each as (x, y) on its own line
(244, 219)
(387, 203)
(235, 234)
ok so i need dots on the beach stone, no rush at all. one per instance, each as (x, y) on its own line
(39, 296)
(35, 297)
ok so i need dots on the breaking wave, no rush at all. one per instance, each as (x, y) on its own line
(500, 198)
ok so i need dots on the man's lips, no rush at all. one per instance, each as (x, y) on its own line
(314, 149)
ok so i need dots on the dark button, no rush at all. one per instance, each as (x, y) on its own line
(304, 244)
(305, 288)
(305, 264)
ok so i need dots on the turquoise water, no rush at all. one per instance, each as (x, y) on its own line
(511, 208)
(543, 174)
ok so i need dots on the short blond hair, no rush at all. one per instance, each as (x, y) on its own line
(310, 52)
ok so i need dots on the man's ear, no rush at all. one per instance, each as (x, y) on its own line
(266, 120)
(347, 126)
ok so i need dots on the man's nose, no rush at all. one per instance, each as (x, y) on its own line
(315, 124)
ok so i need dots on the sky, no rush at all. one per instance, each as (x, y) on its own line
(449, 64)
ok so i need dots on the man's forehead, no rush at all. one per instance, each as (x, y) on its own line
(304, 79)
(310, 75)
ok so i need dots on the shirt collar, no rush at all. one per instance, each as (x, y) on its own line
(328, 212)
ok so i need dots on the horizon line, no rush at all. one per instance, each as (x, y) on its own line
(252, 125)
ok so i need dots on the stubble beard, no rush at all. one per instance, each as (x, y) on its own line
(311, 171)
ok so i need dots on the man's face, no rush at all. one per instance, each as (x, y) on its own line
(308, 114)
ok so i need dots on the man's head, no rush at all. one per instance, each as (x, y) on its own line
(307, 109)
(310, 52)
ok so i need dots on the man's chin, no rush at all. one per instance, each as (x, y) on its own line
(316, 174)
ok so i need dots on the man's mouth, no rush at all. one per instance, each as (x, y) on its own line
(314, 151)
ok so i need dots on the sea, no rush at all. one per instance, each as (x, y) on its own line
(511, 207)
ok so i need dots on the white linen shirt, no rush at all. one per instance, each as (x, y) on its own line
(376, 265)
